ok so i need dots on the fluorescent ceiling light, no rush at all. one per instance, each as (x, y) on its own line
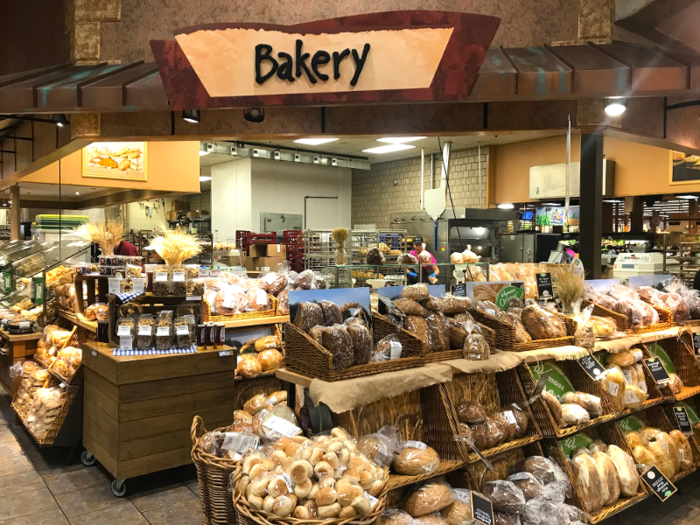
(400, 140)
(315, 142)
(204, 178)
(687, 197)
(551, 204)
(506, 206)
(388, 149)
(611, 201)
(202, 153)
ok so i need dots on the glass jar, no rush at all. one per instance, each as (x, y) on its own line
(126, 326)
(184, 330)
(195, 287)
(179, 281)
(164, 334)
(161, 281)
(145, 333)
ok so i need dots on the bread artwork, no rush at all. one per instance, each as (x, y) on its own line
(312, 479)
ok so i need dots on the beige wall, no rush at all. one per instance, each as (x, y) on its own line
(172, 166)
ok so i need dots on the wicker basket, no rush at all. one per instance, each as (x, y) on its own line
(208, 317)
(611, 435)
(55, 428)
(665, 319)
(582, 383)
(684, 361)
(277, 329)
(495, 392)
(386, 327)
(505, 334)
(305, 356)
(620, 319)
(668, 410)
(248, 515)
(655, 396)
(475, 474)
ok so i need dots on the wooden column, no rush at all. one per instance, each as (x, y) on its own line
(15, 212)
(591, 203)
(637, 216)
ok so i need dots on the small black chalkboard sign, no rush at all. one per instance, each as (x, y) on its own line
(544, 286)
(682, 419)
(459, 290)
(592, 367)
(657, 370)
(482, 509)
(659, 484)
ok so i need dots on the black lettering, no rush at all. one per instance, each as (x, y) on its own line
(301, 63)
(286, 69)
(262, 53)
(320, 58)
(359, 63)
(337, 59)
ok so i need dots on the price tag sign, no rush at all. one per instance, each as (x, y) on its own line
(415, 444)
(459, 290)
(657, 370)
(193, 298)
(282, 426)
(482, 509)
(396, 349)
(592, 367)
(38, 290)
(163, 331)
(145, 330)
(544, 286)
(539, 388)
(126, 342)
(659, 484)
(123, 330)
(239, 442)
(139, 285)
(178, 277)
(7, 281)
(682, 419)
(182, 330)
(161, 277)
(227, 353)
(114, 286)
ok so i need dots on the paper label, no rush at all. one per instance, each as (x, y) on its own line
(681, 453)
(239, 442)
(62, 385)
(163, 331)
(94, 353)
(123, 330)
(628, 376)
(414, 444)
(288, 480)
(228, 353)
(638, 355)
(193, 298)
(518, 476)
(161, 277)
(24, 324)
(126, 342)
(382, 457)
(138, 285)
(178, 277)
(372, 500)
(612, 388)
(145, 330)
(395, 350)
(114, 286)
(282, 426)
(509, 417)
(182, 330)
(630, 397)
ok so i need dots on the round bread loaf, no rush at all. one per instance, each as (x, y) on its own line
(504, 424)
(457, 513)
(395, 517)
(471, 412)
(504, 496)
(432, 496)
(412, 461)
(527, 483)
(542, 468)
(417, 292)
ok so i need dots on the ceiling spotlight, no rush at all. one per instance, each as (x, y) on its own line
(77, 193)
(254, 114)
(60, 120)
(506, 206)
(687, 197)
(315, 141)
(191, 116)
(615, 107)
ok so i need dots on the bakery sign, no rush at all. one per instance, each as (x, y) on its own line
(397, 56)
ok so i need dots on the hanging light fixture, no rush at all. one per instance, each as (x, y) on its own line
(615, 107)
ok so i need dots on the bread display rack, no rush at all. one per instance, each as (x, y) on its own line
(680, 352)
(665, 319)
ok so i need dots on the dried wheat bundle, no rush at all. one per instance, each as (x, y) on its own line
(569, 289)
(176, 246)
(107, 234)
(340, 236)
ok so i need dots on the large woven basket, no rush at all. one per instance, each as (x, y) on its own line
(248, 515)
(611, 435)
(683, 358)
(385, 327)
(665, 319)
(50, 437)
(207, 316)
(305, 356)
(582, 383)
(494, 390)
(505, 334)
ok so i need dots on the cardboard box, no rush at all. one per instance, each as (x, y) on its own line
(268, 250)
(172, 215)
(258, 263)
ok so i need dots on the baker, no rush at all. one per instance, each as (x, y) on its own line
(428, 270)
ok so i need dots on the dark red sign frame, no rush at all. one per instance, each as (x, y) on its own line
(453, 80)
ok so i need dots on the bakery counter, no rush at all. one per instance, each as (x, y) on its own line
(16, 349)
(139, 409)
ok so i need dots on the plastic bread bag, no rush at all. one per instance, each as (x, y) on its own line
(547, 471)
(503, 518)
(568, 514)
(275, 282)
(430, 496)
(530, 486)
(692, 299)
(395, 517)
(592, 404)
(381, 446)
(539, 511)
(414, 458)
(16, 370)
(476, 348)
(387, 349)
(271, 425)
(505, 496)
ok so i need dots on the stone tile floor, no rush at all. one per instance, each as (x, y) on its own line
(36, 488)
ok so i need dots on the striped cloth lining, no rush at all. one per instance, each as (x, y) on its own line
(153, 351)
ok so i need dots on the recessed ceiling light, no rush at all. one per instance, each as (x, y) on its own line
(687, 197)
(315, 142)
(77, 193)
(202, 153)
(400, 140)
(616, 107)
(204, 178)
(388, 149)
(506, 206)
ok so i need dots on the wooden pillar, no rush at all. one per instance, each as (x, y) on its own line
(591, 203)
(692, 217)
(15, 212)
(607, 217)
(637, 216)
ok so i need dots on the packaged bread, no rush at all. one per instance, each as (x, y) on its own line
(588, 482)
(438, 336)
(432, 303)
(671, 447)
(641, 378)
(602, 326)
(406, 258)
(415, 459)
(452, 304)
(635, 439)
(530, 486)
(663, 459)
(255, 404)
(417, 292)
(430, 519)
(395, 517)
(381, 446)
(337, 341)
(487, 434)
(634, 397)
(544, 469)
(675, 384)
(267, 342)
(598, 446)
(609, 478)
(621, 359)
(305, 280)
(316, 332)
(457, 333)
(503, 518)
(505, 496)
(459, 512)
(538, 323)
(685, 452)
(361, 343)
(614, 385)
(283, 305)
(471, 412)
(410, 307)
(589, 402)
(584, 337)
(554, 405)
(331, 313)
(626, 471)
(417, 326)
(275, 282)
(431, 496)
(476, 348)
(650, 433)
(572, 414)
(308, 315)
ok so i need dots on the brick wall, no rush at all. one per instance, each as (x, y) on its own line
(375, 196)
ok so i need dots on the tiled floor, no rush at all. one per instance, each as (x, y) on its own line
(36, 488)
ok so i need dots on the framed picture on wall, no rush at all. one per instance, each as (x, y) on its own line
(116, 160)
(686, 168)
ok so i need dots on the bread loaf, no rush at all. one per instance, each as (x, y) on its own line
(503, 518)
(541, 324)
(410, 307)
(452, 304)
(476, 348)
(504, 496)
(457, 334)
(432, 496)
(413, 461)
(636, 439)
(268, 342)
(614, 384)
(361, 343)
(588, 482)
(542, 468)
(554, 405)
(506, 425)
(337, 341)
(671, 448)
(528, 484)
(308, 315)
(459, 512)
(331, 313)
(430, 519)
(663, 459)
(438, 337)
(487, 434)
(633, 397)
(572, 415)
(621, 359)
(471, 412)
(417, 292)
(395, 517)
(432, 303)
(316, 332)
(417, 326)
(589, 402)
(626, 471)
(685, 453)
(609, 478)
